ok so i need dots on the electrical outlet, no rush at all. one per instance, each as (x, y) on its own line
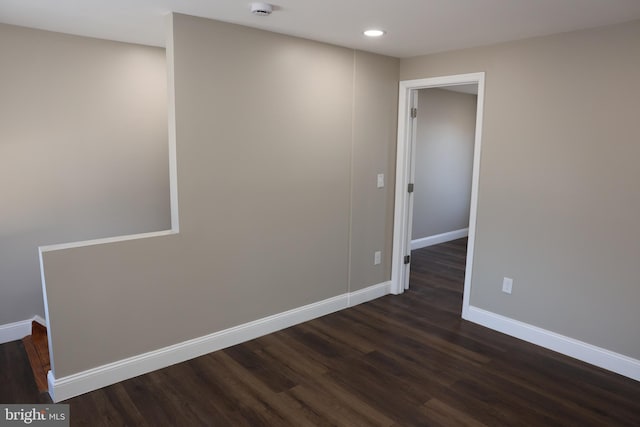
(380, 180)
(377, 257)
(507, 285)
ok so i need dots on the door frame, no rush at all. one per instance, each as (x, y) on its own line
(405, 174)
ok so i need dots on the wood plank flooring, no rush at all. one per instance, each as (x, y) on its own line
(396, 361)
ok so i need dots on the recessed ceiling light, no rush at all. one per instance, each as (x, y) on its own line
(374, 33)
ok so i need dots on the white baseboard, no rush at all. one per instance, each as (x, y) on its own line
(102, 376)
(369, 293)
(585, 352)
(15, 331)
(40, 320)
(18, 330)
(439, 238)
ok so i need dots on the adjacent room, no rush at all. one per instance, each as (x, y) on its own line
(337, 213)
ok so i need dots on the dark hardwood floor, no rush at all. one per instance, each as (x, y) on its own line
(396, 361)
(17, 383)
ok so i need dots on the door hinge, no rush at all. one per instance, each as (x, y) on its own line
(414, 113)
(407, 259)
(410, 188)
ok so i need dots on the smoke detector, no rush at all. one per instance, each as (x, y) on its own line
(261, 9)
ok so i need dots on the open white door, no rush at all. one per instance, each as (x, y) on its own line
(405, 161)
(405, 172)
(413, 124)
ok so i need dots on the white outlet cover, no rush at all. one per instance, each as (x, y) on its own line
(380, 180)
(507, 285)
(377, 257)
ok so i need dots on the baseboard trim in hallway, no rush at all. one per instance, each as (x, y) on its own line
(18, 330)
(102, 376)
(439, 238)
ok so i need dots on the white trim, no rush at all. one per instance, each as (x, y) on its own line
(105, 240)
(475, 180)
(172, 133)
(411, 178)
(580, 350)
(18, 330)
(399, 272)
(15, 331)
(439, 238)
(40, 320)
(51, 382)
(102, 376)
(369, 293)
(402, 223)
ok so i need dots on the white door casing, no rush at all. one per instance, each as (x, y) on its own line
(405, 169)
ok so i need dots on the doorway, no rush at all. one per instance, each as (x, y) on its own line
(405, 175)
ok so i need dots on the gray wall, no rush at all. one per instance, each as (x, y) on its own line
(374, 151)
(558, 192)
(83, 150)
(278, 147)
(446, 125)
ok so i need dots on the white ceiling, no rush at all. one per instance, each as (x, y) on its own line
(414, 27)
